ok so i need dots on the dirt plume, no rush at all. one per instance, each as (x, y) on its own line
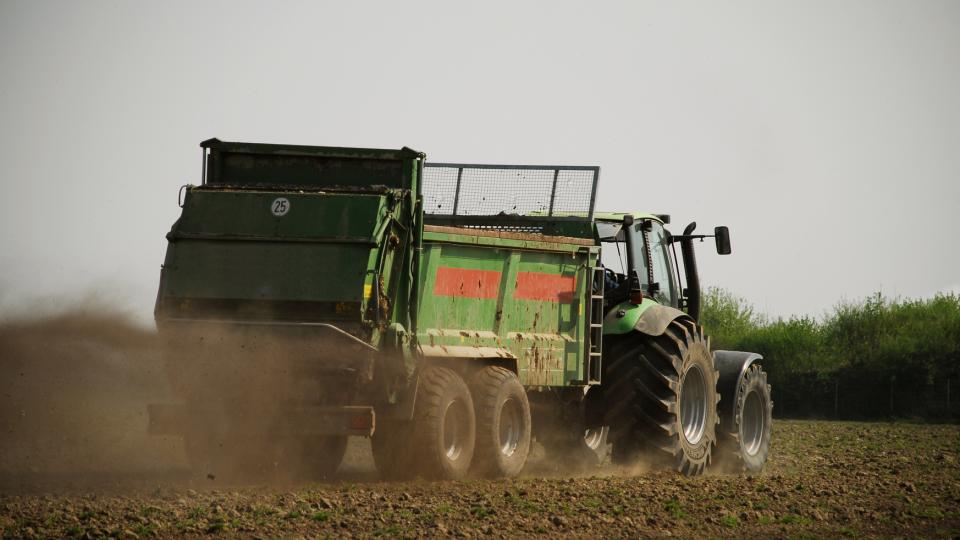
(71, 400)
(75, 386)
(249, 391)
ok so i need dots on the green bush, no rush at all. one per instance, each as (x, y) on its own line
(727, 317)
(873, 358)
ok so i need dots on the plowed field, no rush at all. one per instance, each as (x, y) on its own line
(824, 479)
(75, 461)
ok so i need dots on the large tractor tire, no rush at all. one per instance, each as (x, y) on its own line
(662, 397)
(444, 425)
(744, 443)
(503, 423)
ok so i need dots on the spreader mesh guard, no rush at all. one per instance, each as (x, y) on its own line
(455, 189)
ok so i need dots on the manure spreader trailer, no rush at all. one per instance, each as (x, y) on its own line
(452, 313)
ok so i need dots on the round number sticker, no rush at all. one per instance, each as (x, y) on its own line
(280, 206)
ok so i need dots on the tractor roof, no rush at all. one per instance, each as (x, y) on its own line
(618, 216)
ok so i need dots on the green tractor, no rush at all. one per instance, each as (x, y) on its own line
(453, 313)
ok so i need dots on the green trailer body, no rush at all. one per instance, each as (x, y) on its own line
(520, 298)
(294, 234)
(327, 236)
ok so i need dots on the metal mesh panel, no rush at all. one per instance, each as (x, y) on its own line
(489, 190)
(439, 189)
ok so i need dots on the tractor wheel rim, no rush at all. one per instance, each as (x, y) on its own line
(693, 405)
(454, 422)
(752, 424)
(592, 437)
(510, 427)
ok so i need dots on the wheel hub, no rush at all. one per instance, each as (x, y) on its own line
(592, 437)
(510, 427)
(454, 420)
(693, 405)
(751, 425)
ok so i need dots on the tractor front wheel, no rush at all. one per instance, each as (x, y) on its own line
(745, 443)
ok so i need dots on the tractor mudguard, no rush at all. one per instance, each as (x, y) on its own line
(655, 319)
(648, 318)
(732, 365)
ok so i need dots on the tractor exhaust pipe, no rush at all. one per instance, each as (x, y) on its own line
(692, 292)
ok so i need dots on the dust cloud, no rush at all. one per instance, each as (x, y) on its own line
(72, 393)
(74, 390)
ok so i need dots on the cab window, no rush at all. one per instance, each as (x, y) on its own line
(613, 253)
(662, 266)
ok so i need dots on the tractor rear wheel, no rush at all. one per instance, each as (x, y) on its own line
(662, 397)
(503, 423)
(444, 425)
(745, 444)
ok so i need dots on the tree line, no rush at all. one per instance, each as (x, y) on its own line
(876, 358)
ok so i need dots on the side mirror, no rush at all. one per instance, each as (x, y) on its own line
(722, 235)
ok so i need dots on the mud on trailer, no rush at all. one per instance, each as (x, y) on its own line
(450, 312)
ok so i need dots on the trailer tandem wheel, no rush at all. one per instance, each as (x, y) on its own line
(444, 426)
(321, 455)
(503, 423)
(391, 449)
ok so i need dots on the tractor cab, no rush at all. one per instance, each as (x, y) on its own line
(640, 260)
(635, 247)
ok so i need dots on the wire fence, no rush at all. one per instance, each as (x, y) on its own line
(455, 189)
(856, 395)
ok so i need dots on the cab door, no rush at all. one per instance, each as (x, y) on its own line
(665, 288)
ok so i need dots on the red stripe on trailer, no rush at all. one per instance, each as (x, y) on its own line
(545, 287)
(466, 282)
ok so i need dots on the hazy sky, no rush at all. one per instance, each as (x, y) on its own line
(825, 134)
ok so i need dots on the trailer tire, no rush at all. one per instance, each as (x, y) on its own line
(444, 425)
(745, 444)
(662, 397)
(594, 448)
(581, 451)
(391, 449)
(503, 423)
(322, 455)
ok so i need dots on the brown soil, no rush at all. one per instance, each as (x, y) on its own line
(825, 479)
(75, 461)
